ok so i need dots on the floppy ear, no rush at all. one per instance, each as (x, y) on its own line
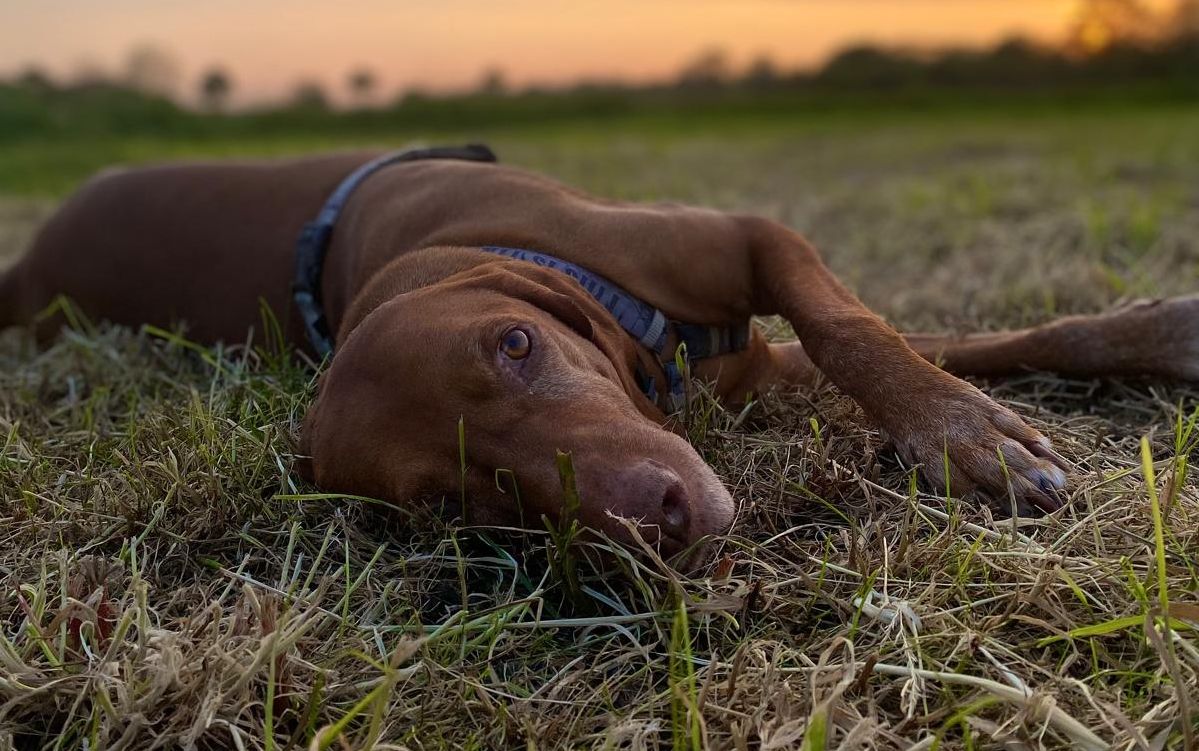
(302, 463)
(559, 305)
(533, 286)
(567, 301)
(347, 445)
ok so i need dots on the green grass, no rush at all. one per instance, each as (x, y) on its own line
(163, 576)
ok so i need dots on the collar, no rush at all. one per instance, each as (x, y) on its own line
(644, 322)
(313, 242)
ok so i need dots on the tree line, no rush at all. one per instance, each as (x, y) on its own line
(1114, 46)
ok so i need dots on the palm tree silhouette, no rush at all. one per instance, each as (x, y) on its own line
(362, 85)
(215, 86)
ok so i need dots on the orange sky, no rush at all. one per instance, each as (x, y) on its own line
(268, 44)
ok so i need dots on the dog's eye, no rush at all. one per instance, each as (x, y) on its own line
(516, 344)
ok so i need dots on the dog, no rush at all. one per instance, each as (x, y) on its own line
(446, 287)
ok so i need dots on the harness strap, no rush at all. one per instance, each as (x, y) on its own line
(313, 243)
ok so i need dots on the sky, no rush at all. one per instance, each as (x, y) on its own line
(269, 45)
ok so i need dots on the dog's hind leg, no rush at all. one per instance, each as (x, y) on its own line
(1154, 338)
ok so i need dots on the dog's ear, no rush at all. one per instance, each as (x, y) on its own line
(567, 301)
(558, 304)
(302, 463)
(347, 445)
(561, 298)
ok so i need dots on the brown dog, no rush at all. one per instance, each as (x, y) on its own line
(429, 328)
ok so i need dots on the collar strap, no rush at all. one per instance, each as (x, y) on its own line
(313, 243)
(709, 341)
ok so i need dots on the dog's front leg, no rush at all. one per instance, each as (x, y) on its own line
(935, 419)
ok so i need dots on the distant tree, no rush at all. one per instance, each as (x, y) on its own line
(152, 70)
(1037, 62)
(870, 67)
(89, 72)
(1014, 62)
(493, 82)
(414, 95)
(708, 68)
(1101, 24)
(762, 72)
(309, 95)
(953, 67)
(361, 83)
(1185, 19)
(215, 86)
(35, 79)
(1016, 48)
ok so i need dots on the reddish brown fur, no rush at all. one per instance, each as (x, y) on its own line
(418, 313)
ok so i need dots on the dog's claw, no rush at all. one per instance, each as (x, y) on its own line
(1050, 498)
(992, 453)
(1052, 480)
(1043, 449)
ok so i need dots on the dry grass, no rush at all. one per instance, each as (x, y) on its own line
(165, 581)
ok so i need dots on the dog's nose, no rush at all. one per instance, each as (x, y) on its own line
(676, 511)
(655, 496)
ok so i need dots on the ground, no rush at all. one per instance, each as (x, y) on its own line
(165, 579)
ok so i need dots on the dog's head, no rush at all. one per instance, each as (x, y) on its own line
(532, 366)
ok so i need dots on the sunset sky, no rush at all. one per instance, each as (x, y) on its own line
(267, 45)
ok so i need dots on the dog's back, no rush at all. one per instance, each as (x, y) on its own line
(148, 245)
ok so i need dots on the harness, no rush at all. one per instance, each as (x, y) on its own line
(642, 321)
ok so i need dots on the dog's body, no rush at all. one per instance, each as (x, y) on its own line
(419, 312)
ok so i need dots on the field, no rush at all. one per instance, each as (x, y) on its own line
(164, 580)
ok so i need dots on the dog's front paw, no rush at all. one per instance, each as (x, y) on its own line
(986, 448)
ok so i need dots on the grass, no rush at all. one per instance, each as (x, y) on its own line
(165, 580)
